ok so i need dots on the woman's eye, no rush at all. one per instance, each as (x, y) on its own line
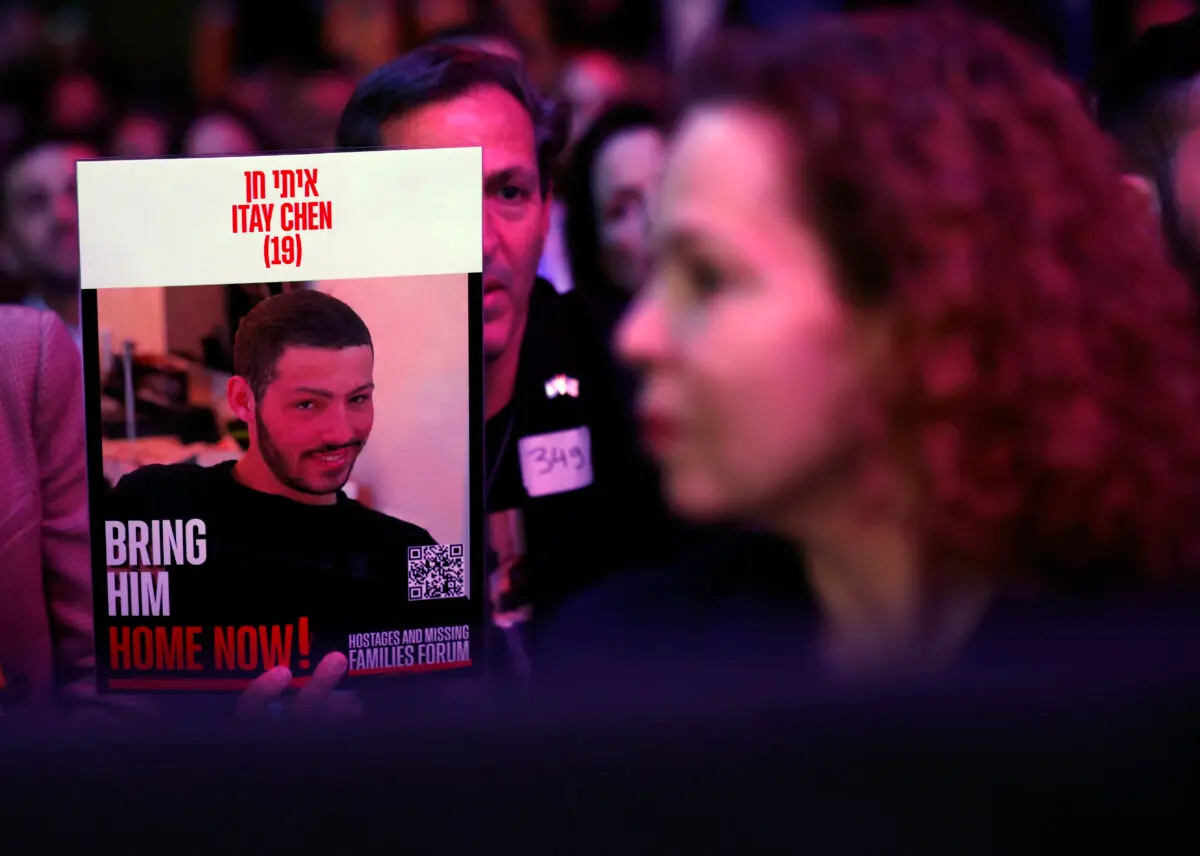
(705, 278)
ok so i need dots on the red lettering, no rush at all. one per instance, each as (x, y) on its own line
(193, 648)
(256, 185)
(276, 645)
(247, 648)
(260, 217)
(310, 182)
(119, 647)
(224, 647)
(306, 216)
(143, 648)
(168, 647)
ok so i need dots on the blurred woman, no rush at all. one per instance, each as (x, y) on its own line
(906, 314)
(610, 185)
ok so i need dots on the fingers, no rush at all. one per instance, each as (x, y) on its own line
(512, 617)
(315, 694)
(316, 700)
(266, 689)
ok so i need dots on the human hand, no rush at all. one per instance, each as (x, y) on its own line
(499, 588)
(316, 700)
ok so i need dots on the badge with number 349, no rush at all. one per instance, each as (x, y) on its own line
(558, 462)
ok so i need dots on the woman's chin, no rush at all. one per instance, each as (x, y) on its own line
(696, 501)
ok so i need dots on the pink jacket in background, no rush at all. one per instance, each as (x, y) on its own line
(47, 651)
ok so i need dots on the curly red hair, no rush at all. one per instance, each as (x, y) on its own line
(1046, 365)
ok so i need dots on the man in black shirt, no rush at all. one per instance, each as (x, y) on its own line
(277, 523)
(562, 456)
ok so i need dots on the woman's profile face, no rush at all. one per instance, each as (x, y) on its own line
(752, 386)
(625, 182)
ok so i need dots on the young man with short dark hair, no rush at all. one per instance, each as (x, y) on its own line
(278, 524)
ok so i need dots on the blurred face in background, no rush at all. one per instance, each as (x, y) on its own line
(516, 216)
(77, 104)
(140, 136)
(625, 181)
(41, 216)
(364, 34)
(1185, 184)
(218, 134)
(589, 82)
(321, 100)
(752, 378)
(435, 15)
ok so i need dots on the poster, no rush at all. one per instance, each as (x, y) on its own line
(283, 371)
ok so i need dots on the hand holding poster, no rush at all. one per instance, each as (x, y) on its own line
(283, 469)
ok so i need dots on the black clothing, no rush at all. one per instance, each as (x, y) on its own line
(741, 607)
(566, 382)
(270, 561)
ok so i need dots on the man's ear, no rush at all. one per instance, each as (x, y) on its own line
(241, 398)
(1145, 188)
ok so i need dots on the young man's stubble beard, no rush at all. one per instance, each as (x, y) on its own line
(278, 465)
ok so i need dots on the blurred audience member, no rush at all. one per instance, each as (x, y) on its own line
(47, 653)
(530, 21)
(589, 82)
(905, 313)
(610, 187)
(1155, 13)
(77, 104)
(39, 241)
(549, 382)
(20, 33)
(630, 29)
(140, 133)
(364, 34)
(321, 95)
(437, 16)
(1152, 106)
(687, 24)
(224, 130)
(491, 32)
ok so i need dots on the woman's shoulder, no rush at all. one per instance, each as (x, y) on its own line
(1093, 631)
(730, 590)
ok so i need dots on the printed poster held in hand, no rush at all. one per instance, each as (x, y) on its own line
(283, 365)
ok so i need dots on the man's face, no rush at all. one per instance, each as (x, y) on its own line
(314, 419)
(41, 212)
(515, 214)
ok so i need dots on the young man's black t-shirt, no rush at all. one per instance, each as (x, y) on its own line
(565, 452)
(271, 560)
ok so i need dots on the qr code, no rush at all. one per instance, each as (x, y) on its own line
(437, 572)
